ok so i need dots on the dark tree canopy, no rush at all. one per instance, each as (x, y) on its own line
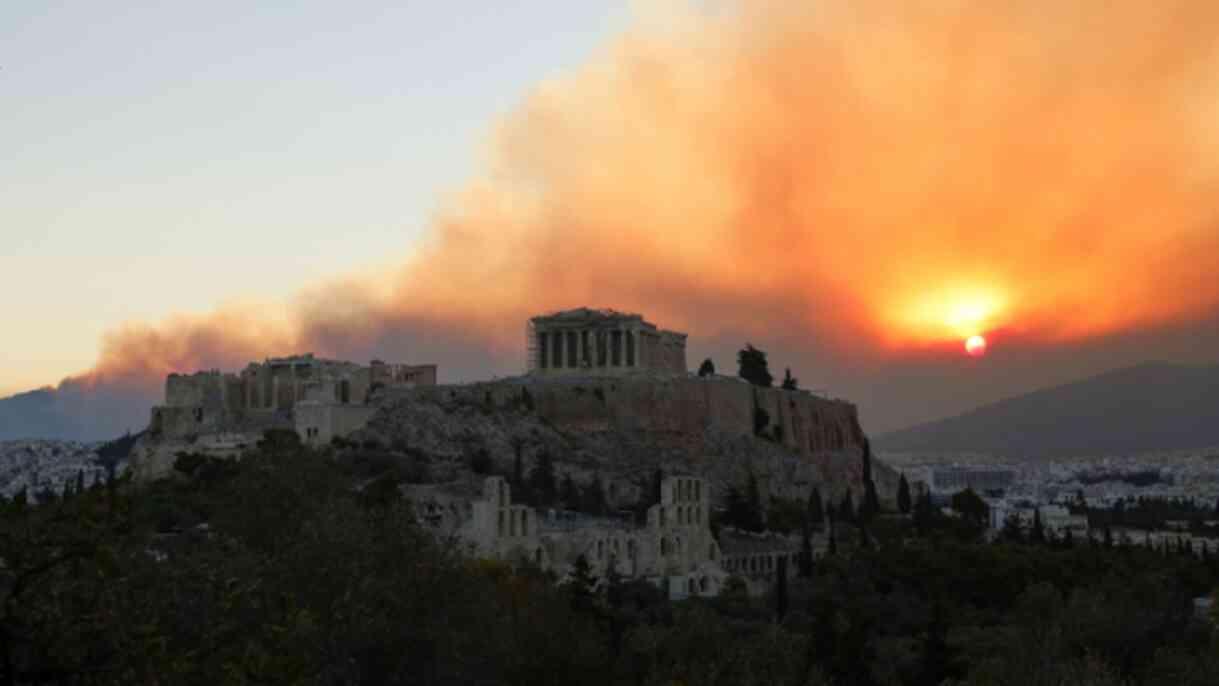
(971, 506)
(753, 366)
(707, 368)
(903, 495)
(816, 510)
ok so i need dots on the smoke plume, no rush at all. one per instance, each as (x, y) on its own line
(862, 182)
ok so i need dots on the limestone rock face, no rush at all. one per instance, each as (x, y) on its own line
(623, 429)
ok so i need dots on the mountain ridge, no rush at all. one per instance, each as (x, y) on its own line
(1145, 407)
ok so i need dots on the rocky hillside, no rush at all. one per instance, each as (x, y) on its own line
(623, 430)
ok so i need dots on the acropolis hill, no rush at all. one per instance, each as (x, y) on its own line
(603, 391)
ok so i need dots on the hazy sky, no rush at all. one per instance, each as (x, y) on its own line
(170, 156)
(857, 186)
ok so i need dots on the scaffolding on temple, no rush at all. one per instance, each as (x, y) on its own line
(531, 347)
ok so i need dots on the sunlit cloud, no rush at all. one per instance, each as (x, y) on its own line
(881, 176)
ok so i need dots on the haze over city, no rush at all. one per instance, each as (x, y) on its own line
(860, 188)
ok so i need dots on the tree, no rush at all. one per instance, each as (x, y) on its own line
(1037, 534)
(761, 419)
(871, 501)
(832, 547)
(789, 381)
(936, 659)
(744, 511)
(846, 508)
(865, 539)
(581, 585)
(518, 466)
(924, 512)
(806, 553)
(1012, 530)
(781, 588)
(707, 368)
(593, 497)
(753, 366)
(753, 497)
(816, 510)
(543, 485)
(903, 495)
(971, 506)
(569, 495)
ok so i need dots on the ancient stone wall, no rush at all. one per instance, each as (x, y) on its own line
(318, 423)
(674, 550)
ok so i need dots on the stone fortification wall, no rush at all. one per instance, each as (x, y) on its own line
(318, 422)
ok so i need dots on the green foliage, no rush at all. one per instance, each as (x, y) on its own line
(752, 366)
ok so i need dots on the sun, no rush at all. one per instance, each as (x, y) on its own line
(975, 345)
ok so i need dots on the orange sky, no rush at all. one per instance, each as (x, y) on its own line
(883, 176)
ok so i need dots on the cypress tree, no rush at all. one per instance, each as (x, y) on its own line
(781, 588)
(816, 510)
(789, 382)
(518, 466)
(871, 502)
(581, 584)
(846, 510)
(806, 553)
(756, 521)
(903, 495)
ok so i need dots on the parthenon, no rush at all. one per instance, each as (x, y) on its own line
(588, 341)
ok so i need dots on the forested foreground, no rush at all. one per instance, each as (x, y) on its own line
(277, 570)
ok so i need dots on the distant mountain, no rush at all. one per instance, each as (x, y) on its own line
(75, 412)
(1149, 407)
